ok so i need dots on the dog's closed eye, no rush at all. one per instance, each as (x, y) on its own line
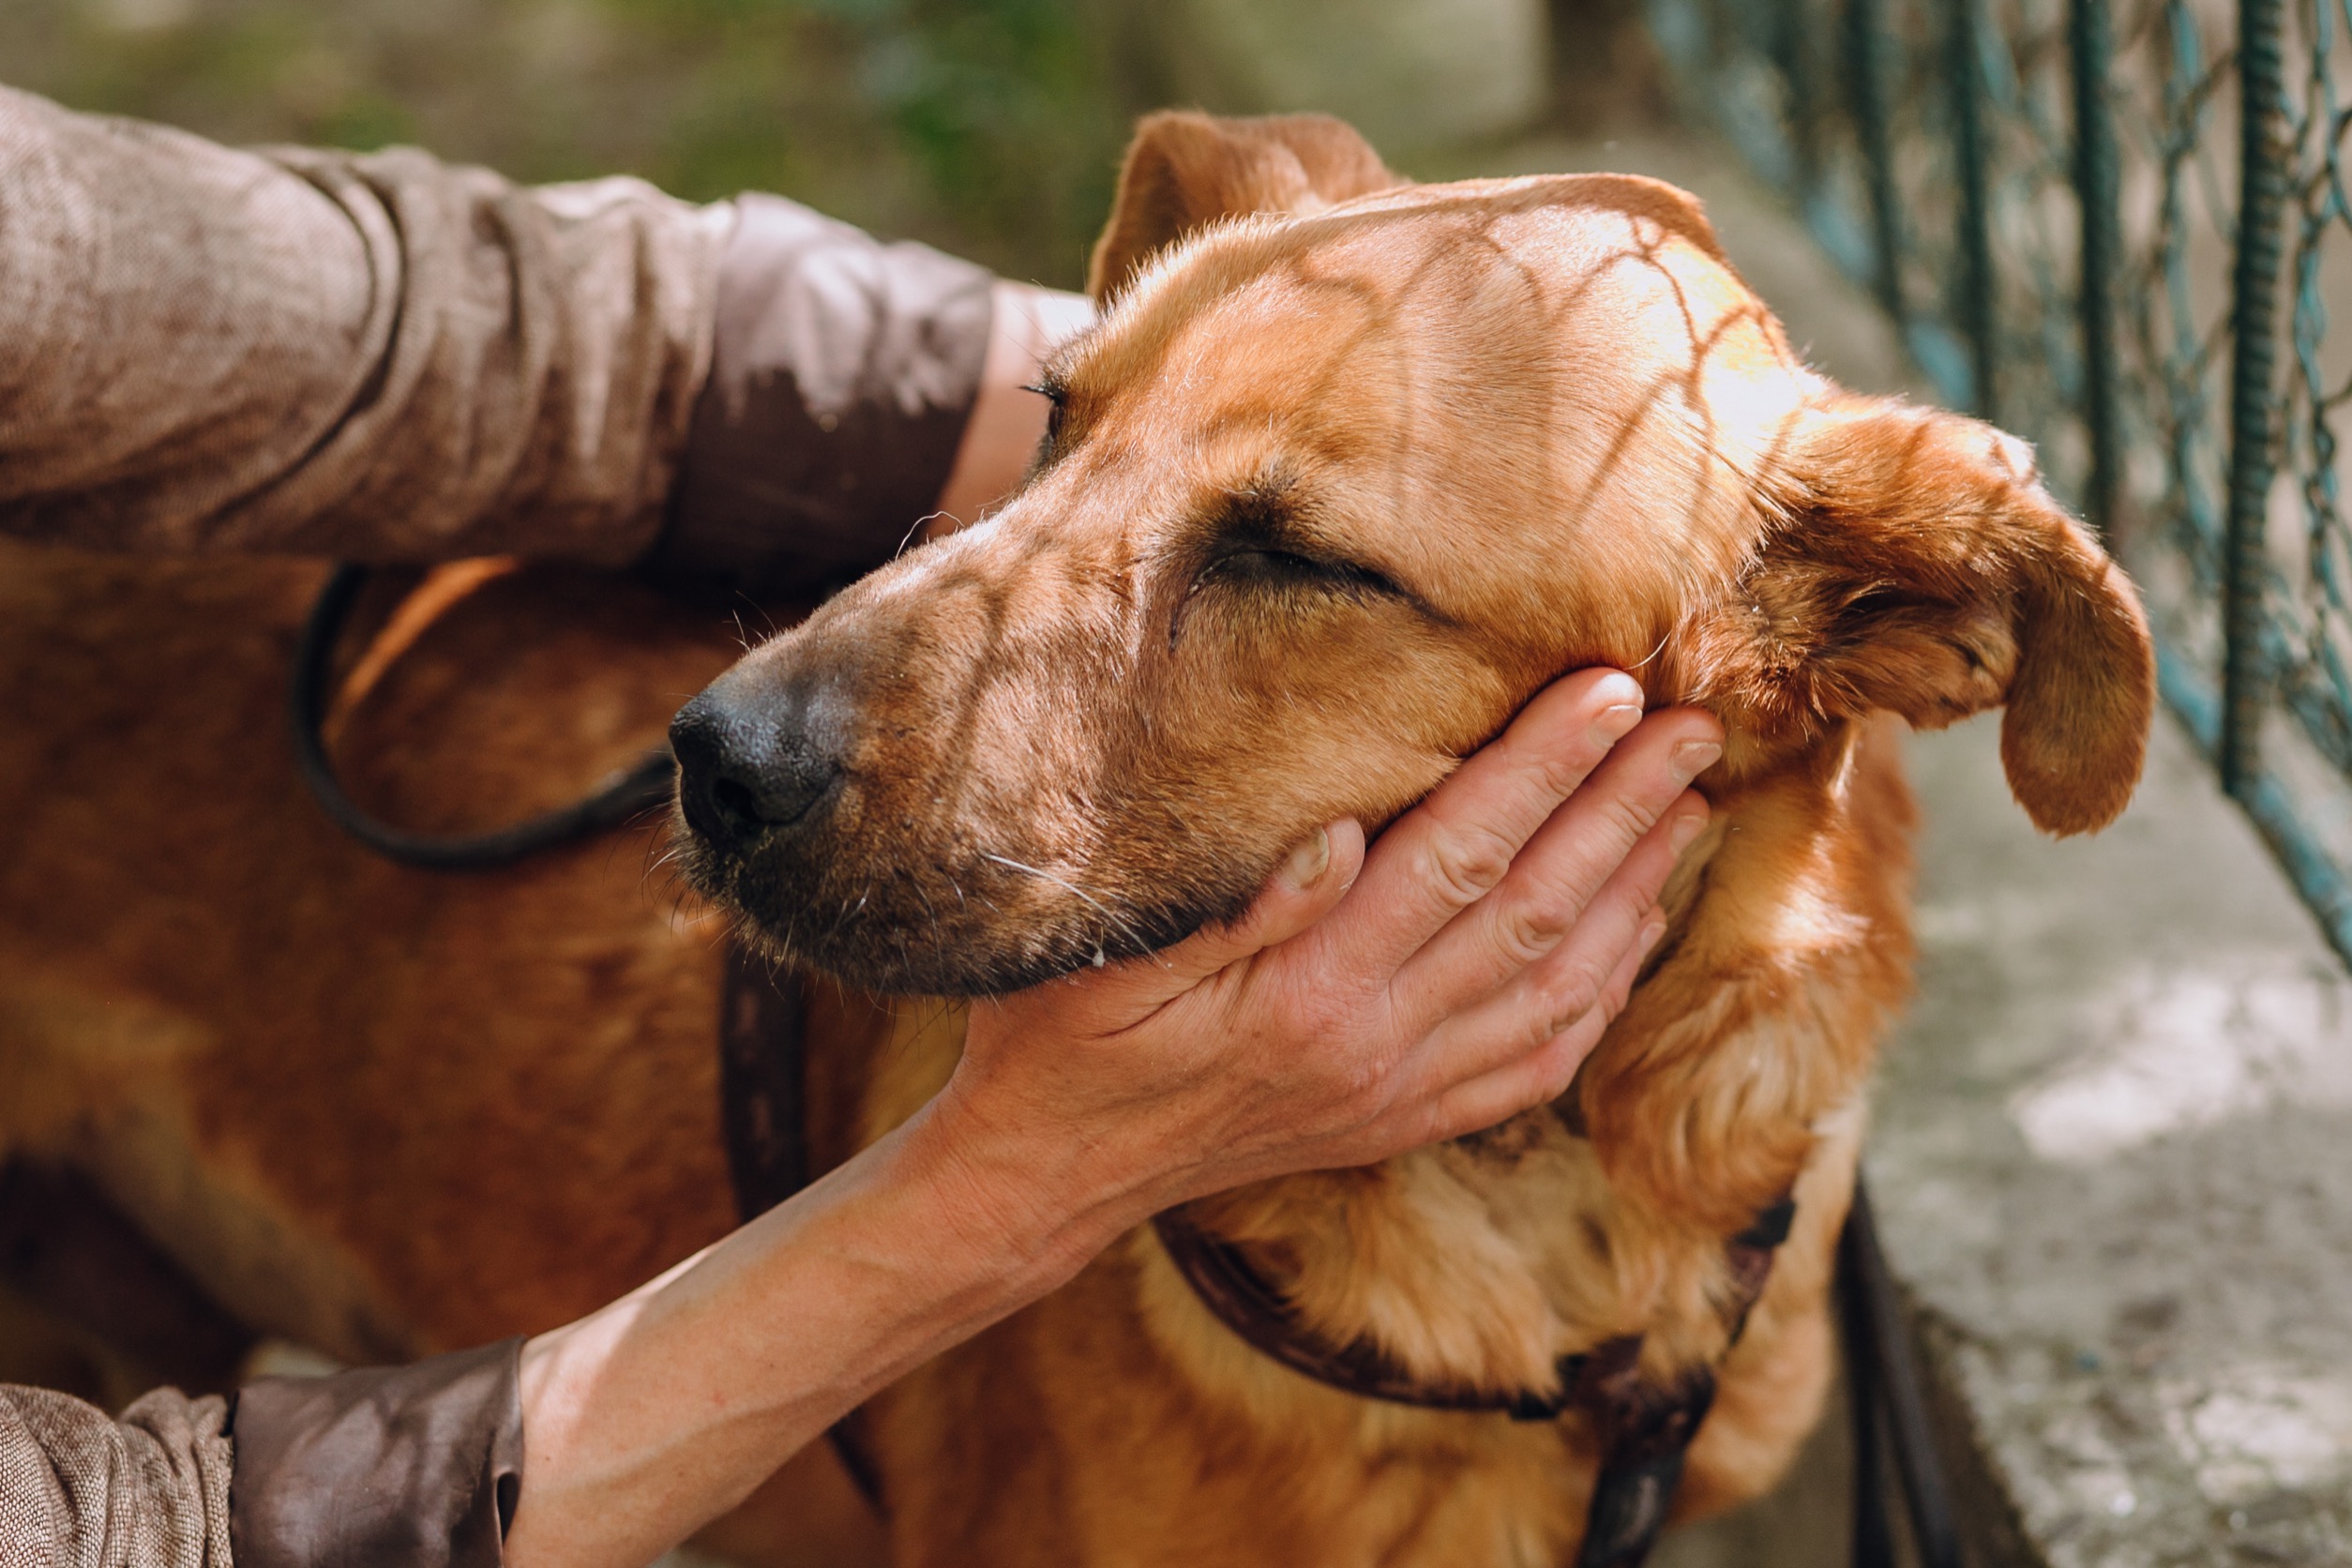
(1265, 577)
(1259, 566)
(1260, 545)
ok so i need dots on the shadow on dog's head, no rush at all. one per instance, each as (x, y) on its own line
(1348, 469)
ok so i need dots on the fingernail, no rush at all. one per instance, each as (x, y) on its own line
(1692, 758)
(1685, 829)
(1649, 935)
(1308, 862)
(1614, 723)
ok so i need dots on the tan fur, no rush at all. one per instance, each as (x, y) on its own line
(390, 1111)
(381, 1111)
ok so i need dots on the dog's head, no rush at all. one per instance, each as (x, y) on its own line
(1348, 468)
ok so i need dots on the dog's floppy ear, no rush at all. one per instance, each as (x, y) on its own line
(1185, 169)
(1918, 566)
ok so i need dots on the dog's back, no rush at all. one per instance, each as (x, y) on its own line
(379, 1110)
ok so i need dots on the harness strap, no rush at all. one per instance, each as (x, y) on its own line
(762, 1097)
(644, 784)
(764, 1113)
(1240, 1298)
(1645, 1431)
(1646, 1434)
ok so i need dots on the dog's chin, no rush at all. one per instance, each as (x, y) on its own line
(888, 960)
(884, 934)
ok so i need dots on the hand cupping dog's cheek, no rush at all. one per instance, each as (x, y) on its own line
(1362, 1005)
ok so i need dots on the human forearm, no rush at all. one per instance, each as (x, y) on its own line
(651, 1417)
(383, 357)
(1428, 1002)
(377, 356)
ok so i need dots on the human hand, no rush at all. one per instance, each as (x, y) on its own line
(1363, 1005)
(1366, 1004)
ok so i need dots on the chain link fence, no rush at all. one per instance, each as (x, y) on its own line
(2122, 229)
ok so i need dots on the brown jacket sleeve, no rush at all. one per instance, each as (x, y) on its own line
(383, 357)
(418, 1466)
(79, 1489)
(843, 374)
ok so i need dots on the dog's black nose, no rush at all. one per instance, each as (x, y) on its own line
(748, 764)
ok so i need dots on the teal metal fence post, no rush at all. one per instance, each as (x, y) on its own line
(1866, 56)
(1978, 319)
(1792, 53)
(2253, 396)
(2092, 43)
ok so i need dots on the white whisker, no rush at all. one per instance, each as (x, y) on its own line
(1072, 888)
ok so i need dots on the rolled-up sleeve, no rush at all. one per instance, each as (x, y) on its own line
(419, 1465)
(383, 357)
(81, 1489)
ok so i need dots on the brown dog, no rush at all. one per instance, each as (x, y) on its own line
(1332, 490)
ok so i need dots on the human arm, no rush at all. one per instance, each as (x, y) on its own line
(1363, 1005)
(383, 357)
(1454, 974)
(1008, 413)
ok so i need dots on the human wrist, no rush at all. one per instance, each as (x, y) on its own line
(1006, 418)
(735, 1358)
(1039, 1198)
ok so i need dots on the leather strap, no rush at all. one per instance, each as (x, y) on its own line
(1890, 1409)
(1645, 1432)
(763, 1114)
(1646, 1435)
(1240, 1298)
(762, 1104)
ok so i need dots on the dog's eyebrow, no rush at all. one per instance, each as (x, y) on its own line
(1268, 510)
(1261, 509)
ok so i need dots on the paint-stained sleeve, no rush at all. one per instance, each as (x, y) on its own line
(385, 357)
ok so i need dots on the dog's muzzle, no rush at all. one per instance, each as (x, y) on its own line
(753, 761)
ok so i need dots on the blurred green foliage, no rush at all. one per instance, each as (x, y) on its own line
(990, 128)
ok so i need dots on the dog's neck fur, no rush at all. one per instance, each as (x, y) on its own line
(1576, 1223)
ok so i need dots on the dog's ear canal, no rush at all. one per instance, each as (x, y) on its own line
(1185, 170)
(1920, 567)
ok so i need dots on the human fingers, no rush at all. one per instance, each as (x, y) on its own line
(1561, 868)
(1545, 1073)
(1547, 997)
(1453, 848)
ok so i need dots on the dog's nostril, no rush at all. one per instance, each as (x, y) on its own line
(742, 802)
(736, 801)
(747, 768)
